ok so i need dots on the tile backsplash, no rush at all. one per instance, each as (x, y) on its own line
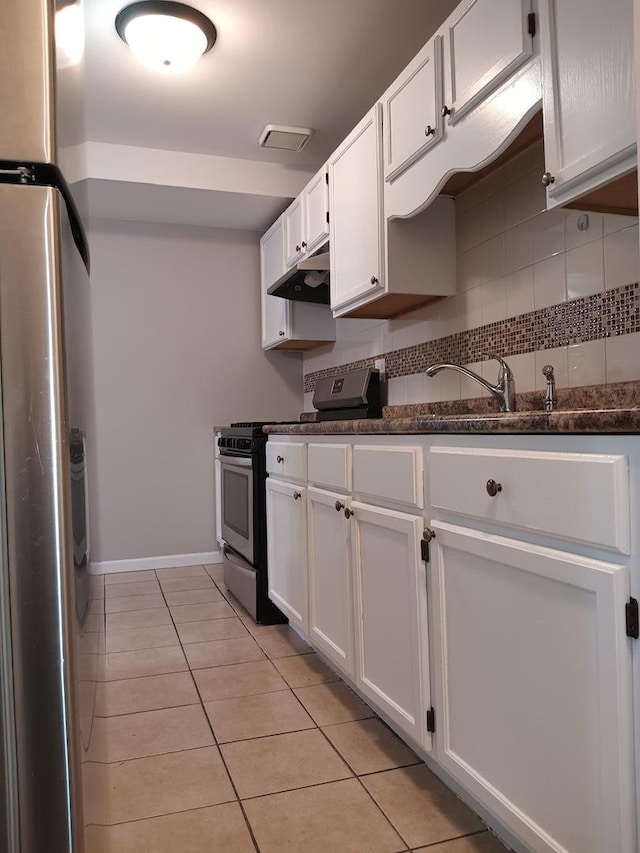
(534, 285)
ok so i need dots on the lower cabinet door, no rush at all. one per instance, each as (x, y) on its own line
(287, 550)
(389, 582)
(534, 702)
(330, 599)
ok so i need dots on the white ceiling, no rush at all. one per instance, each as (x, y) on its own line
(313, 63)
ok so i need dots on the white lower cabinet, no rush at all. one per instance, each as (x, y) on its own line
(534, 692)
(517, 650)
(287, 550)
(392, 661)
(330, 597)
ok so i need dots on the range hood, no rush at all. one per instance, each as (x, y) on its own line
(307, 281)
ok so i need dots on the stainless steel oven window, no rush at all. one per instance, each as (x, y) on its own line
(237, 505)
(235, 508)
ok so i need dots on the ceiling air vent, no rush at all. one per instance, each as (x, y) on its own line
(287, 138)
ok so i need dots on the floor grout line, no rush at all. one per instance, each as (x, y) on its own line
(224, 762)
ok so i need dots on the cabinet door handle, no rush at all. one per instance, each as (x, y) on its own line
(429, 131)
(281, 334)
(493, 488)
(279, 458)
(339, 506)
(298, 249)
(348, 513)
(304, 245)
(445, 111)
(374, 280)
(297, 496)
(547, 179)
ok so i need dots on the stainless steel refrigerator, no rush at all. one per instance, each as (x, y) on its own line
(51, 632)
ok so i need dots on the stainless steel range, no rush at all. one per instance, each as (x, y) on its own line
(244, 518)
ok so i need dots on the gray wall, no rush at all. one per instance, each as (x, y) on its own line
(176, 326)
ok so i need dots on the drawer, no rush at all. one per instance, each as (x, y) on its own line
(330, 465)
(392, 473)
(287, 459)
(581, 497)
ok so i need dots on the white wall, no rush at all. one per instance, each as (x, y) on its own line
(176, 326)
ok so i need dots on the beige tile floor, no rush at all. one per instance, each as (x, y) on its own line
(214, 734)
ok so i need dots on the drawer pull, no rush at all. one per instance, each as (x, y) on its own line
(279, 458)
(339, 506)
(297, 496)
(493, 488)
(348, 513)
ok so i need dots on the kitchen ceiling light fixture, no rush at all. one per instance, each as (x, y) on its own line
(166, 36)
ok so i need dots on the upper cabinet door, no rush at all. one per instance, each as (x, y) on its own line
(588, 95)
(294, 231)
(315, 200)
(275, 311)
(355, 197)
(412, 111)
(484, 44)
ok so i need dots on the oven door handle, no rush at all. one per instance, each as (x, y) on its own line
(238, 561)
(239, 461)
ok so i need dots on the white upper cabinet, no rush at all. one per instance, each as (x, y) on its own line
(355, 195)
(485, 87)
(412, 111)
(588, 95)
(289, 324)
(275, 311)
(315, 203)
(307, 219)
(294, 231)
(485, 41)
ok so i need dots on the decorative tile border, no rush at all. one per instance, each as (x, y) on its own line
(603, 315)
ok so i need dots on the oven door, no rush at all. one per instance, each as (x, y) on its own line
(237, 503)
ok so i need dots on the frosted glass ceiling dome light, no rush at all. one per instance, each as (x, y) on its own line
(165, 36)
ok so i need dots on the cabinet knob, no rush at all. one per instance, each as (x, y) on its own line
(304, 245)
(445, 111)
(281, 334)
(279, 458)
(429, 131)
(374, 280)
(298, 249)
(339, 506)
(547, 179)
(348, 513)
(297, 496)
(493, 488)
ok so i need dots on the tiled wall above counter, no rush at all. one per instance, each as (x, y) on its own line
(538, 286)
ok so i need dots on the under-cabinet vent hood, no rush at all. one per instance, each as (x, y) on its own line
(307, 281)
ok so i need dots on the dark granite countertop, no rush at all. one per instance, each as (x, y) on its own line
(604, 409)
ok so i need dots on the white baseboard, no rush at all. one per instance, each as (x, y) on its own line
(143, 563)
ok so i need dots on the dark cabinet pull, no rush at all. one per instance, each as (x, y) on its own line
(339, 506)
(493, 488)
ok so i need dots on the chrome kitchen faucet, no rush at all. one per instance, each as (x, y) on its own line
(504, 390)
